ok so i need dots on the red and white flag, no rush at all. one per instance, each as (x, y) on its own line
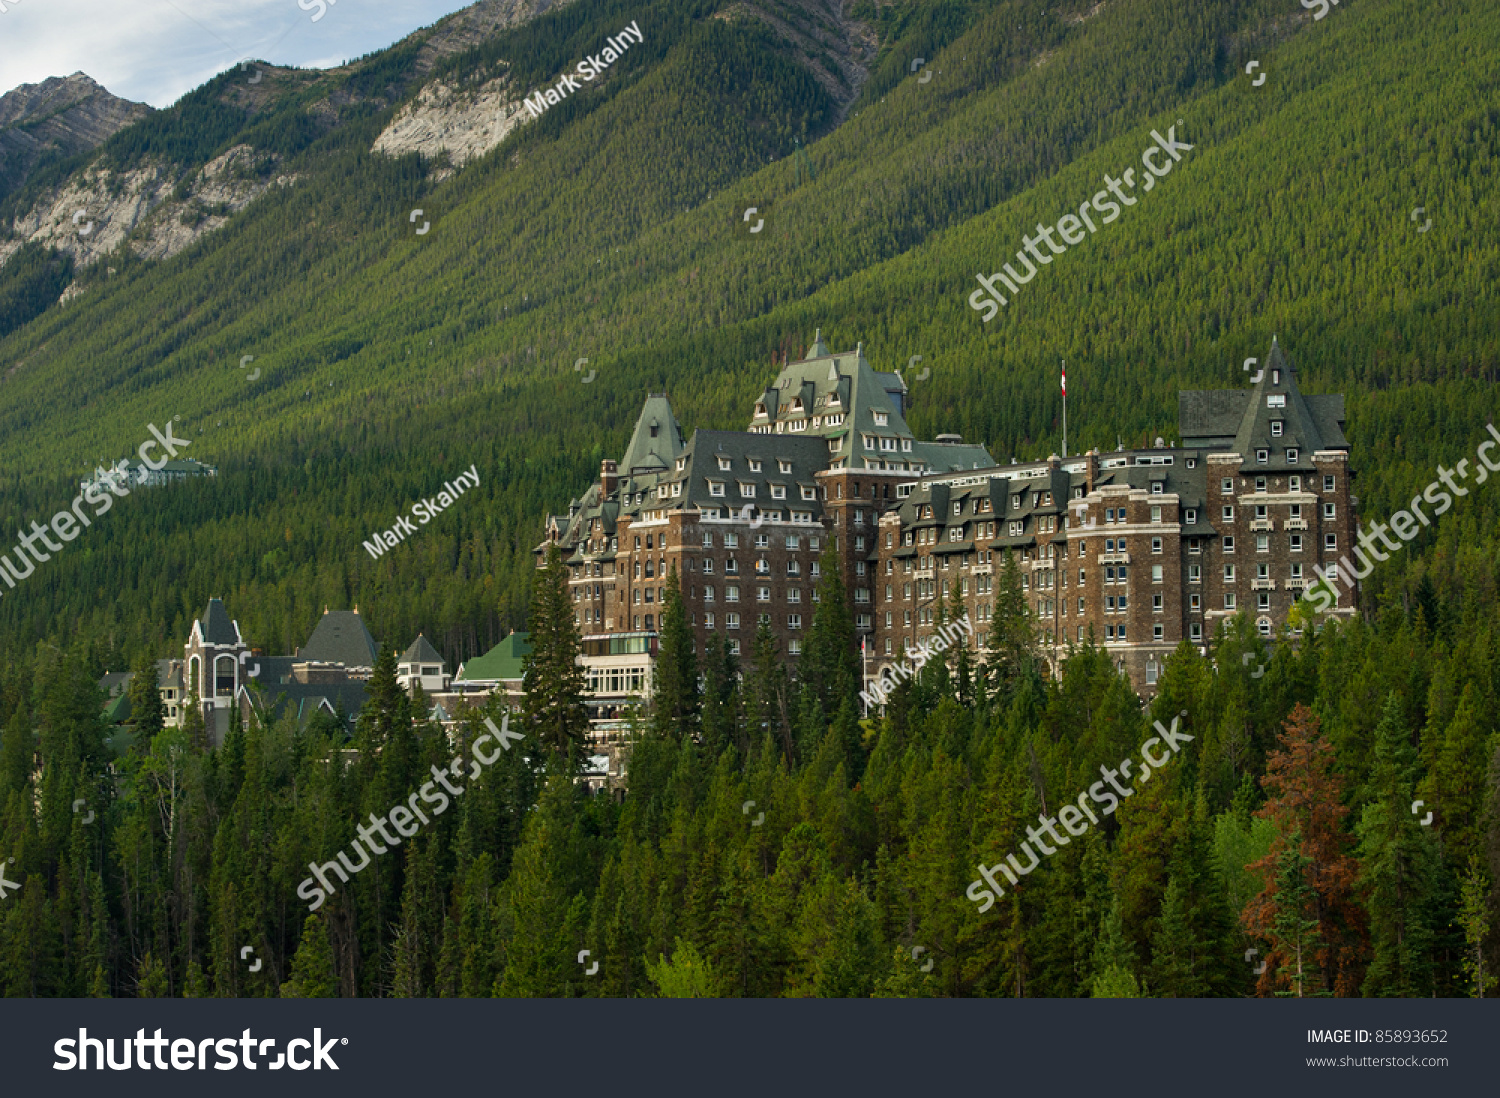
(1065, 379)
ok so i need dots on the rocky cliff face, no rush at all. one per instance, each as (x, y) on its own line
(58, 118)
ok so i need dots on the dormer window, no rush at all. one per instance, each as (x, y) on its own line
(882, 419)
(1276, 400)
(755, 465)
(681, 465)
(906, 445)
(1262, 457)
(784, 466)
(1291, 457)
(1276, 428)
(1275, 377)
(724, 464)
(760, 408)
(747, 491)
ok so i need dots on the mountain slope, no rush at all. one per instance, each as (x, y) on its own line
(610, 229)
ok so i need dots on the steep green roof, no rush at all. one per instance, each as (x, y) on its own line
(341, 637)
(501, 663)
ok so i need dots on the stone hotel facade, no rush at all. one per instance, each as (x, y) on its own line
(1138, 548)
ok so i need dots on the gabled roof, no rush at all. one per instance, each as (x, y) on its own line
(421, 651)
(502, 663)
(216, 627)
(1239, 422)
(303, 700)
(656, 440)
(341, 637)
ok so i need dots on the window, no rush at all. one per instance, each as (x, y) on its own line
(762, 594)
(715, 488)
(732, 541)
(1229, 514)
(708, 594)
(794, 621)
(1192, 463)
(1296, 571)
(1109, 603)
(732, 593)
(1227, 486)
(1192, 516)
(783, 467)
(734, 647)
(1080, 577)
(1262, 543)
(1330, 510)
(1228, 600)
(1156, 632)
(1276, 400)
(1195, 631)
(1080, 606)
(1327, 484)
(794, 594)
(1156, 545)
(1228, 543)
(1156, 514)
(1156, 487)
(731, 621)
(1331, 542)
(1291, 457)
(1276, 428)
(794, 647)
(724, 463)
(1109, 545)
(1156, 573)
(1260, 486)
(1151, 669)
(1228, 573)
(778, 491)
(1296, 543)
(1109, 514)
(1195, 601)
(1263, 600)
(1294, 484)
(1109, 632)
(1156, 604)
(1262, 456)
(1120, 633)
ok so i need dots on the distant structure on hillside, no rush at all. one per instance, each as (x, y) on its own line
(129, 474)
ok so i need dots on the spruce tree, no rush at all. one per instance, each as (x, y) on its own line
(147, 711)
(830, 660)
(313, 975)
(1010, 647)
(676, 708)
(553, 679)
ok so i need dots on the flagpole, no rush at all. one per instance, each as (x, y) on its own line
(1065, 406)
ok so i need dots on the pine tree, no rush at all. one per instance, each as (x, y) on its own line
(1474, 920)
(553, 679)
(1296, 940)
(1399, 868)
(676, 707)
(147, 711)
(313, 975)
(829, 664)
(1010, 647)
(1305, 802)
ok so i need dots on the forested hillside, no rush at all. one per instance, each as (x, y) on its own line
(611, 229)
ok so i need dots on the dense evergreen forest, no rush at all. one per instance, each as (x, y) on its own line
(607, 229)
(774, 843)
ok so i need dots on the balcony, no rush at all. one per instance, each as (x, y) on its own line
(1265, 524)
(1296, 584)
(1045, 562)
(1262, 585)
(984, 569)
(1296, 524)
(1114, 558)
(926, 574)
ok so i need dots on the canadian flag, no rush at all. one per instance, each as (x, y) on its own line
(1065, 379)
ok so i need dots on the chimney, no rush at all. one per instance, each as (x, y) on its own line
(608, 478)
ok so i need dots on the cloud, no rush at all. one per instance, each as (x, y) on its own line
(155, 51)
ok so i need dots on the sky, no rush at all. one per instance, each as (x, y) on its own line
(155, 51)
